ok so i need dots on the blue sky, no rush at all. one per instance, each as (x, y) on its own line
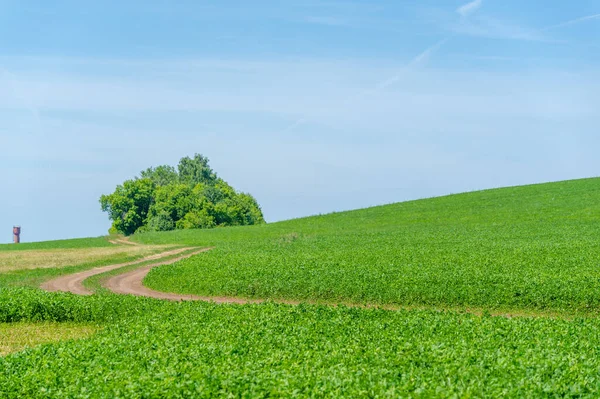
(311, 106)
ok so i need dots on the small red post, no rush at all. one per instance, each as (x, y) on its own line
(17, 234)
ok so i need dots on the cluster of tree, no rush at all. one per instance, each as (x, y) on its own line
(189, 197)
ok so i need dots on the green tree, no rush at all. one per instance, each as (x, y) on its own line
(197, 219)
(250, 212)
(174, 200)
(161, 175)
(189, 197)
(196, 170)
(160, 222)
(128, 206)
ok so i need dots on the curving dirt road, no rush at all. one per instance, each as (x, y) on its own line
(74, 282)
(131, 283)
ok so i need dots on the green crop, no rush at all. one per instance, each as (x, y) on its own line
(32, 305)
(160, 349)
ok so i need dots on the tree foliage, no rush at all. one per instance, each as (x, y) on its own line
(189, 197)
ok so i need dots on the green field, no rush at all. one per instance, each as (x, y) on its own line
(446, 265)
(151, 348)
(522, 249)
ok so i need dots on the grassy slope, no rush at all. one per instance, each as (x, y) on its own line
(532, 247)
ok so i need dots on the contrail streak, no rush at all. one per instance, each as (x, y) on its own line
(415, 62)
(573, 22)
(469, 8)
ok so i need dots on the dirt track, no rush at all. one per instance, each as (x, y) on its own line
(74, 282)
(131, 283)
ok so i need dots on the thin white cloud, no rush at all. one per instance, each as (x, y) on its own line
(469, 8)
(574, 22)
(339, 94)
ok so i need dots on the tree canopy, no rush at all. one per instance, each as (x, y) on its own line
(190, 196)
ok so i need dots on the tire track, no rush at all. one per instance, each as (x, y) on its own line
(131, 283)
(74, 282)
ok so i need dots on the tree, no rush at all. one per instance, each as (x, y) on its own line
(128, 206)
(174, 200)
(197, 220)
(196, 171)
(161, 175)
(191, 196)
(160, 222)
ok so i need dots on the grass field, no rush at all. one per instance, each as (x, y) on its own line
(31, 267)
(58, 258)
(521, 251)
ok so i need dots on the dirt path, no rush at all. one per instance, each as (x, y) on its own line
(131, 283)
(74, 282)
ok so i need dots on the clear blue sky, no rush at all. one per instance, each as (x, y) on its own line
(311, 106)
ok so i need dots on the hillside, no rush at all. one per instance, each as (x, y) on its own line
(530, 247)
